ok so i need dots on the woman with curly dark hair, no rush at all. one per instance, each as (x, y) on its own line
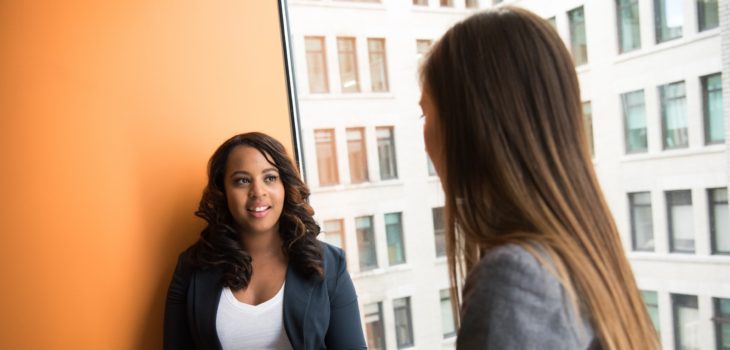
(258, 277)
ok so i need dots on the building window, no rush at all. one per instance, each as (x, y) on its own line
(316, 64)
(472, 4)
(686, 321)
(651, 301)
(420, 2)
(349, 78)
(668, 19)
(578, 43)
(707, 14)
(334, 233)
(679, 214)
(422, 47)
(588, 124)
(448, 324)
(429, 165)
(722, 323)
(552, 22)
(446, 3)
(403, 325)
(642, 228)
(326, 157)
(719, 221)
(634, 121)
(366, 243)
(439, 230)
(629, 34)
(378, 65)
(386, 152)
(374, 329)
(674, 115)
(394, 236)
(712, 108)
(357, 155)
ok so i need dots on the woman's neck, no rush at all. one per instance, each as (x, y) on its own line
(262, 244)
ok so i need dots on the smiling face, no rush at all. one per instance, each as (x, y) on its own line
(254, 191)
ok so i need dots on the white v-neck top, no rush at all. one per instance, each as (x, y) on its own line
(244, 326)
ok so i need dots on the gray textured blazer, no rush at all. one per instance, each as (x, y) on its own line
(513, 302)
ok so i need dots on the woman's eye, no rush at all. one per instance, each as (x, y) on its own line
(241, 181)
(270, 178)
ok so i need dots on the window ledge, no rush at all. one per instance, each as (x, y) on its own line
(363, 185)
(338, 96)
(368, 273)
(344, 4)
(674, 153)
(667, 45)
(679, 257)
(399, 268)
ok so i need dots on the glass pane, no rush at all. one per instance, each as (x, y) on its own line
(669, 18)
(394, 236)
(707, 14)
(334, 233)
(674, 115)
(686, 321)
(316, 65)
(378, 66)
(439, 230)
(713, 109)
(642, 230)
(628, 25)
(578, 42)
(326, 157)
(386, 153)
(634, 121)
(366, 243)
(357, 155)
(348, 65)
(447, 314)
(374, 330)
(403, 328)
(719, 220)
(681, 224)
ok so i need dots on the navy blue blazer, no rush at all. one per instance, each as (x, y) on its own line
(318, 314)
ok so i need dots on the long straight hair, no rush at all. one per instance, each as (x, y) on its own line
(517, 167)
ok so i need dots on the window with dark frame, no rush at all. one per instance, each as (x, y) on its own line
(403, 322)
(642, 226)
(719, 220)
(680, 221)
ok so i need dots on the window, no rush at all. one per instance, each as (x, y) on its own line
(357, 155)
(439, 230)
(316, 64)
(668, 19)
(652, 307)
(719, 221)
(552, 22)
(674, 115)
(679, 213)
(447, 3)
(629, 34)
(707, 14)
(472, 4)
(386, 153)
(403, 326)
(394, 236)
(634, 121)
(686, 321)
(642, 228)
(349, 78)
(588, 124)
(374, 330)
(712, 109)
(578, 44)
(420, 2)
(448, 324)
(334, 233)
(378, 65)
(431, 169)
(326, 157)
(722, 323)
(366, 243)
(422, 47)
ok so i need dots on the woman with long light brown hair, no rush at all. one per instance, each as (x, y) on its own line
(527, 224)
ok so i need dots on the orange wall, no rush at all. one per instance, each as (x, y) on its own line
(109, 111)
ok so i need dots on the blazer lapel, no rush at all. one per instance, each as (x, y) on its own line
(207, 292)
(297, 297)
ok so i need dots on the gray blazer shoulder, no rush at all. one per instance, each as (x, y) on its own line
(512, 302)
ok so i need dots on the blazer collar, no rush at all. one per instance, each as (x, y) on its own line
(297, 297)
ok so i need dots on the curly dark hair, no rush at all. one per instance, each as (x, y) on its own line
(220, 241)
